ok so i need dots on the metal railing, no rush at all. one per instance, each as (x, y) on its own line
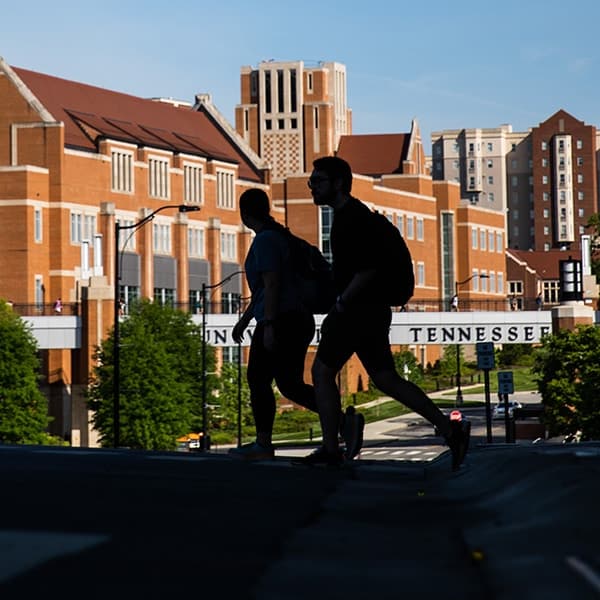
(233, 307)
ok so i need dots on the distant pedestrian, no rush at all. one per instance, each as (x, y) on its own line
(58, 306)
(539, 301)
(454, 303)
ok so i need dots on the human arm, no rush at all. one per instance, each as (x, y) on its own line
(357, 287)
(238, 330)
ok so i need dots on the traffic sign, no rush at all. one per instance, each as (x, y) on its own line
(485, 355)
(505, 382)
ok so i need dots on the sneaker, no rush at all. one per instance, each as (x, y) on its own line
(354, 426)
(320, 457)
(253, 451)
(458, 441)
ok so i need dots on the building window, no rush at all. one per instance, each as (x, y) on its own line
(410, 228)
(158, 174)
(492, 281)
(231, 354)
(280, 123)
(192, 184)
(579, 177)
(579, 144)
(546, 213)
(326, 214)
(228, 246)
(225, 189)
(544, 179)
(474, 238)
(580, 212)
(475, 280)
(544, 162)
(127, 237)
(161, 238)
(482, 240)
(400, 223)
(546, 230)
(309, 84)
(499, 242)
(491, 197)
(500, 283)
(280, 91)
(420, 229)
(544, 146)
(491, 241)
(490, 179)
(514, 181)
(316, 117)
(293, 95)
(580, 196)
(76, 220)
(551, 290)
(490, 147)
(230, 302)
(195, 242)
(164, 296)
(121, 171)
(490, 163)
(420, 279)
(37, 225)
(294, 123)
(515, 288)
(268, 92)
(545, 196)
(268, 124)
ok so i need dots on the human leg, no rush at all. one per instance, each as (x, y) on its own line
(294, 332)
(260, 379)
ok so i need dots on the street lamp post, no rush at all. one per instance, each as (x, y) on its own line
(117, 307)
(459, 394)
(205, 440)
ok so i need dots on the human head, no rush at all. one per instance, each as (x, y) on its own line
(254, 203)
(336, 168)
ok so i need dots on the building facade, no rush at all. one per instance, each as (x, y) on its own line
(75, 161)
(290, 113)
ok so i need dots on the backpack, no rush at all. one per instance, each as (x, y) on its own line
(397, 281)
(314, 274)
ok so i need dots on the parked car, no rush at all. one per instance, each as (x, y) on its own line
(498, 412)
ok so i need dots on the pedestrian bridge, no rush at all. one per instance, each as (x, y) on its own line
(408, 328)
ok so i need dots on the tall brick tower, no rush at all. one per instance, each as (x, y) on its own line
(291, 113)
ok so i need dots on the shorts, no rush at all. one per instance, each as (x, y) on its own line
(365, 331)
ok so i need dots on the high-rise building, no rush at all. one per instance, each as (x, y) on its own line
(545, 179)
(290, 113)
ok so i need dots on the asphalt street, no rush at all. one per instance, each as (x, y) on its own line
(518, 521)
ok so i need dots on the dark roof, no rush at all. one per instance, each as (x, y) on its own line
(91, 113)
(545, 264)
(374, 154)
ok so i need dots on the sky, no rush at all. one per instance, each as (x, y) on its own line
(450, 65)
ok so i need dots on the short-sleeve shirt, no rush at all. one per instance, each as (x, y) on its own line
(269, 252)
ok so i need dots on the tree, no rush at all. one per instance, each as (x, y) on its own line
(594, 225)
(408, 367)
(568, 369)
(23, 408)
(229, 395)
(160, 379)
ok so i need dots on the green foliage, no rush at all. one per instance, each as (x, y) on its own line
(408, 367)
(594, 225)
(568, 370)
(229, 396)
(23, 408)
(160, 379)
(514, 354)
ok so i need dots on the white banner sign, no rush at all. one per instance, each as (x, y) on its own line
(422, 328)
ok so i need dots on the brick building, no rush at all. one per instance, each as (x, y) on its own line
(74, 160)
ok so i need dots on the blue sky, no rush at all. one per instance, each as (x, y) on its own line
(449, 64)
